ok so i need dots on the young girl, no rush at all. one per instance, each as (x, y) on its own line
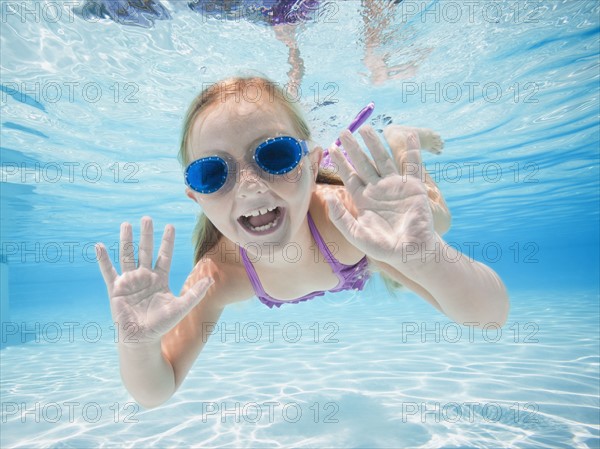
(250, 164)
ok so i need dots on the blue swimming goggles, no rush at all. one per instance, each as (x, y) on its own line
(276, 156)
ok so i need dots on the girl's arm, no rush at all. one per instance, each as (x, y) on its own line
(399, 277)
(392, 222)
(466, 290)
(182, 345)
(153, 372)
(463, 289)
(455, 284)
(149, 318)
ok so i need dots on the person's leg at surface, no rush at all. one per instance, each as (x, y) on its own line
(378, 16)
(286, 33)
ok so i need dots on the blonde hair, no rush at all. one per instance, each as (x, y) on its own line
(254, 89)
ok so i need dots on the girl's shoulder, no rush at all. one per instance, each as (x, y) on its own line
(344, 251)
(231, 282)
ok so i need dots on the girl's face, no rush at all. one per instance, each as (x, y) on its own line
(237, 128)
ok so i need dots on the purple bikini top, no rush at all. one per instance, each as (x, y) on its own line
(351, 276)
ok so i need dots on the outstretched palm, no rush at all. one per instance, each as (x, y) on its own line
(141, 302)
(394, 217)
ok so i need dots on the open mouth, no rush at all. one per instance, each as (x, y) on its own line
(262, 221)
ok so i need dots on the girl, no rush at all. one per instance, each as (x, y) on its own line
(249, 166)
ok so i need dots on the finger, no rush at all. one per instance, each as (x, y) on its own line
(126, 255)
(350, 178)
(412, 164)
(145, 252)
(363, 164)
(383, 162)
(194, 295)
(109, 274)
(165, 253)
(342, 218)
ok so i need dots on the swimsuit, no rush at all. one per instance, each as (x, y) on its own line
(144, 12)
(351, 276)
(271, 12)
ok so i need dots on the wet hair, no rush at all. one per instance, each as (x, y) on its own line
(254, 89)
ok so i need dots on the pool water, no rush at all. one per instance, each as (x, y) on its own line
(91, 118)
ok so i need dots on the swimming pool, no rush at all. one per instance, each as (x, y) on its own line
(91, 116)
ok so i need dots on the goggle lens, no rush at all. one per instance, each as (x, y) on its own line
(275, 156)
(207, 175)
(278, 156)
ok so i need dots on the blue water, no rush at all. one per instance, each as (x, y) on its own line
(91, 114)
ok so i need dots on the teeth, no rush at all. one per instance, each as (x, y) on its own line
(264, 227)
(261, 211)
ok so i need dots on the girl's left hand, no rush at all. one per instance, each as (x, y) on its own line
(394, 220)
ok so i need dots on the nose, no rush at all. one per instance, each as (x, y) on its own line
(250, 183)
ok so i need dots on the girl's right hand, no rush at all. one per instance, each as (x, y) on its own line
(141, 303)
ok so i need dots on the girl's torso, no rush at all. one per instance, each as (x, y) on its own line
(310, 273)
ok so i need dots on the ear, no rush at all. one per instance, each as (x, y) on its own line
(191, 195)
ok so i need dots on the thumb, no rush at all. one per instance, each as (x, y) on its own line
(194, 295)
(316, 160)
(341, 217)
(334, 208)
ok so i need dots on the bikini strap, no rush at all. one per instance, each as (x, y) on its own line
(252, 275)
(329, 257)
